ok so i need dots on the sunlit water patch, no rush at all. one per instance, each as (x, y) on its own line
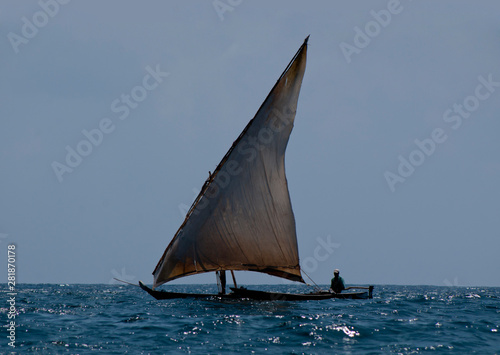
(118, 319)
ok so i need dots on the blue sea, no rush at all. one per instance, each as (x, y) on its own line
(118, 319)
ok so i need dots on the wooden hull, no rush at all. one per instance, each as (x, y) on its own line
(241, 293)
(279, 296)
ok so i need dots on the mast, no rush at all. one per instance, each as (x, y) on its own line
(242, 218)
(234, 279)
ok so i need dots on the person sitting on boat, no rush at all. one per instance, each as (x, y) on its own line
(337, 285)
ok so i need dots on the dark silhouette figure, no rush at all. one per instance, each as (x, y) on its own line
(337, 285)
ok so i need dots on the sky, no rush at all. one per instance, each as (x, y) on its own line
(112, 113)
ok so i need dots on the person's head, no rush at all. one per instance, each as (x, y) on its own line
(336, 272)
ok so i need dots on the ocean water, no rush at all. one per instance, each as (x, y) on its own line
(117, 319)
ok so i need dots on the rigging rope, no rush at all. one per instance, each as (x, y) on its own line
(309, 277)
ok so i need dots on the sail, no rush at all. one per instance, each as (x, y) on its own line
(243, 219)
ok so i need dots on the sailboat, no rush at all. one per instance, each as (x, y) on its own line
(242, 219)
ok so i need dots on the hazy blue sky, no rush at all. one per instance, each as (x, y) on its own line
(393, 165)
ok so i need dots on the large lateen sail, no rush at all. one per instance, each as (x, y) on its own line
(243, 219)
